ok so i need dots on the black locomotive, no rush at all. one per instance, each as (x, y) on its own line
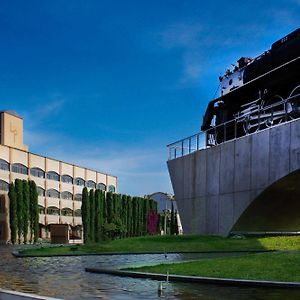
(257, 93)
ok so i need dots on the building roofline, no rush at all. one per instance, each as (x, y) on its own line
(58, 160)
(11, 112)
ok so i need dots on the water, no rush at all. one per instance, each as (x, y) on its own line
(64, 277)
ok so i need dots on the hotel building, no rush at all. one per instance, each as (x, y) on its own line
(59, 183)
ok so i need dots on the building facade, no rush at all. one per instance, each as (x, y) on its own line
(59, 183)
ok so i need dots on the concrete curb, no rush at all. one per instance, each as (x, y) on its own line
(20, 255)
(13, 295)
(197, 279)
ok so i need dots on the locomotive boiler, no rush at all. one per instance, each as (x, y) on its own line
(257, 93)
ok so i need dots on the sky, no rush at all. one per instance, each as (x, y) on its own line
(108, 84)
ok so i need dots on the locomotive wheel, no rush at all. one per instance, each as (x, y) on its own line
(250, 125)
(295, 107)
(273, 114)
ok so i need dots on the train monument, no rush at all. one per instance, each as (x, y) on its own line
(242, 172)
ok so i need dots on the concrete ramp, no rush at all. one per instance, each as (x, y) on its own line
(248, 184)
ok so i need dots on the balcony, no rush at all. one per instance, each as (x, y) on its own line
(52, 219)
(66, 220)
(77, 221)
(42, 219)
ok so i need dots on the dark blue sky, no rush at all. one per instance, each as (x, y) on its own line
(107, 84)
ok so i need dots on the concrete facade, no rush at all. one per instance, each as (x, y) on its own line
(238, 185)
(59, 183)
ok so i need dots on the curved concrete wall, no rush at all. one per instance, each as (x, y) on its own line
(215, 186)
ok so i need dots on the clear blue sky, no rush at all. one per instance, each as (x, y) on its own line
(107, 84)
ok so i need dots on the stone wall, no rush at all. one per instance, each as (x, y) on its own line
(214, 187)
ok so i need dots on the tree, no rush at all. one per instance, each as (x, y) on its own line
(98, 215)
(129, 216)
(109, 207)
(85, 211)
(19, 194)
(172, 219)
(26, 201)
(12, 212)
(92, 216)
(176, 223)
(33, 212)
(124, 214)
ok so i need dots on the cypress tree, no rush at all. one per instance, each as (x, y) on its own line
(135, 215)
(34, 211)
(109, 207)
(92, 216)
(12, 212)
(124, 214)
(26, 201)
(19, 194)
(101, 213)
(129, 216)
(145, 215)
(97, 215)
(104, 208)
(85, 211)
(141, 221)
(176, 223)
(172, 226)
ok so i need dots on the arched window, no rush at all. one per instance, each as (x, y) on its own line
(4, 165)
(41, 210)
(77, 213)
(40, 191)
(52, 176)
(19, 168)
(111, 188)
(79, 181)
(67, 179)
(91, 184)
(37, 172)
(52, 193)
(101, 186)
(67, 212)
(4, 186)
(78, 197)
(66, 195)
(52, 210)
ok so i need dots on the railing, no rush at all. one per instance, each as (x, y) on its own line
(253, 118)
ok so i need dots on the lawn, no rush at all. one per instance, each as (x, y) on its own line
(184, 243)
(278, 266)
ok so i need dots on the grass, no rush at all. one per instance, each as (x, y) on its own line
(278, 266)
(182, 243)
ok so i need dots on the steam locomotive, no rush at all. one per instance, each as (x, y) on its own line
(257, 93)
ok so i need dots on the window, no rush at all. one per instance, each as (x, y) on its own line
(79, 181)
(37, 172)
(40, 191)
(52, 176)
(111, 188)
(41, 210)
(91, 184)
(66, 195)
(67, 179)
(77, 213)
(4, 165)
(52, 210)
(67, 212)
(78, 197)
(52, 193)
(4, 186)
(19, 168)
(101, 186)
